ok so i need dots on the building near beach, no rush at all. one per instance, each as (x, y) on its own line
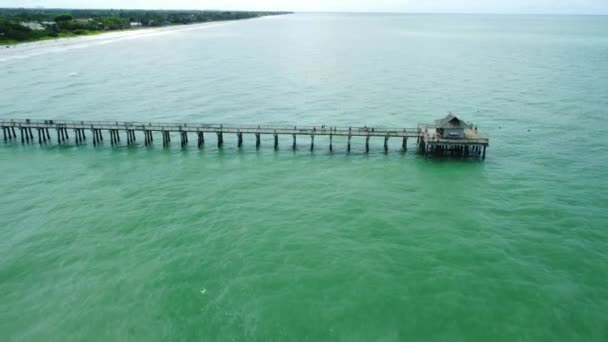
(33, 26)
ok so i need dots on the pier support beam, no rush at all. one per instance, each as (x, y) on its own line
(201, 139)
(148, 138)
(99, 136)
(220, 139)
(184, 137)
(166, 138)
(484, 153)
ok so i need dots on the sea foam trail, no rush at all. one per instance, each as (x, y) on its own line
(33, 49)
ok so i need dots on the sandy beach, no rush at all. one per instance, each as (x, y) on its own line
(31, 49)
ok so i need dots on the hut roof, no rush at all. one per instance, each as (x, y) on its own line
(450, 121)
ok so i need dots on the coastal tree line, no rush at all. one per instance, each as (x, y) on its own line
(17, 25)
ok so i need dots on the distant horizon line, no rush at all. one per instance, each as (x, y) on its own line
(309, 12)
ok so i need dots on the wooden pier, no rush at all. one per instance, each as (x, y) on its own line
(429, 143)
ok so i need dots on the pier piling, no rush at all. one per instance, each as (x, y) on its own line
(184, 137)
(220, 139)
(201, 139)
(276, 141)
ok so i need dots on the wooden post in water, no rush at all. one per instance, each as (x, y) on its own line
(276, 141)
(404, 145)
(257, 140)
(201, 139)
(312, 142)
(294, 142)
(331, 142)
(239, 136)
(386, 143)
(367, 144)
(220, 139)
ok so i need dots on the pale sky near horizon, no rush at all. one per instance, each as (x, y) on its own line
(442, 6)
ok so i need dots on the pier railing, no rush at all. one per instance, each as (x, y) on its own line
(214, 128)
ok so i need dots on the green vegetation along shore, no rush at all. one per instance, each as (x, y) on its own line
(26, 25)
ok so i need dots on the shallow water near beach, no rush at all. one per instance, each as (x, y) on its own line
(151, 244)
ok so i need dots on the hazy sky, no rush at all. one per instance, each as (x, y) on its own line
(493, 6)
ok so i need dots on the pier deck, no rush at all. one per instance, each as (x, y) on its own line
(213, 128)
(426, 138)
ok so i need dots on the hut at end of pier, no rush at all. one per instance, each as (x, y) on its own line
(451, 136)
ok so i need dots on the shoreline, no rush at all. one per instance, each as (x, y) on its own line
(124, 33)
(35, 48)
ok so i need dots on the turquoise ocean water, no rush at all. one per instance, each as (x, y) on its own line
(153, 244)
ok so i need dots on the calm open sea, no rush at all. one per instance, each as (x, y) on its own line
(153, 244)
